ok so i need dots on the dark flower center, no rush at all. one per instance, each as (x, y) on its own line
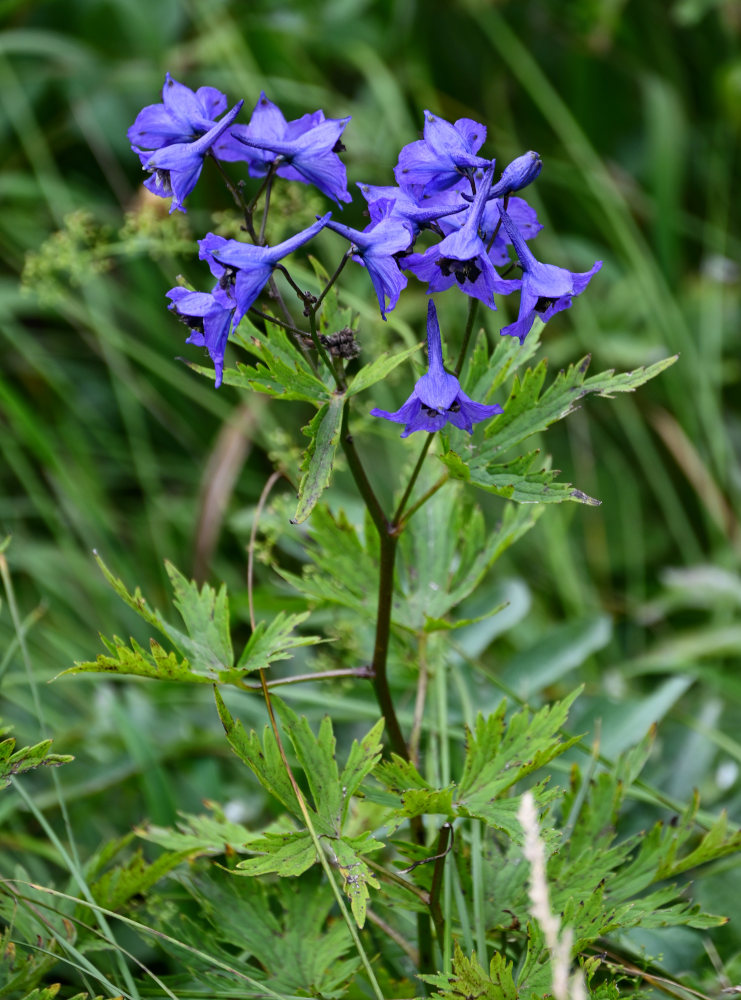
(194, 323)
(162, 177)
(464, 270)
(339, 147)
(430, 411)
(226, 281)
(543, 304)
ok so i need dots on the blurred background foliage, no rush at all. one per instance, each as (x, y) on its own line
(109, 442)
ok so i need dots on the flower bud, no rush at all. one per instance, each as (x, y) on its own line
(517, 174)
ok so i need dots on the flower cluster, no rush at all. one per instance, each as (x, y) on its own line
(475, 225)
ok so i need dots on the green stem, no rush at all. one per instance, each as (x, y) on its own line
(423, 500)
(268, 188)
(346, 257)
(412, 480)
(472, 310)
(339, 377)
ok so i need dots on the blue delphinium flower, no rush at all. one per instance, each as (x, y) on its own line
(462, 258)
(243, 269)
(417, 215)
(304, 150)
(209, 316)
(176, 168)
(266, 122)
(517, 175)
(375, 248)
(437, 398)
(546, 289)
(444, 158)
(490, 226)
(182, 116)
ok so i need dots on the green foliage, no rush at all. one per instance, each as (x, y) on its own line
(290, 854)
(205, 647)
(283, 369)
(316, 468)
(530, 410)
(13, 762)
(469, 979)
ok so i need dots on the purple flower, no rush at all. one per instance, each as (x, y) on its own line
(546, 289)
(209, 320)
(375, 248)
(243, 269)
(437, 398)
(176, 168)
(182, 117)
(443, 158)
(305, 149)
(517, 174)
(418, 215)
(462, 258)
(490, 225)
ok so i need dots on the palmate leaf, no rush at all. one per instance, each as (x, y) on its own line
(283, 369)
(13, 762)
(528, 411)
(500, 751)
(210, 833)
(274, 640)
(515, 480)
(291, 853)
(341, 566)
(284, 933)
(469, 979)
(205, 649)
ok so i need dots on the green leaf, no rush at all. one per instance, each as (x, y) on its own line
(483, 375)
(207, 654)
(284, 854)
(438, 568)
(119, 885)
(378, 369)
(469, 979)
(514, 480)
(283, 369)
(135, 661)
(341, 567)
(528, 412)
(316, 756)
(324, 433)
(361, 760)
(13, 762)
(263, 760)
(206, 617)
(273, 640)
(206, 834)
(356, 875)
(499, 752)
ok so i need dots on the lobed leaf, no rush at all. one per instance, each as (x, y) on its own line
(13, 762)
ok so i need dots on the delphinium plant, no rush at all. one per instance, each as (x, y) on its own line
(422, 857)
